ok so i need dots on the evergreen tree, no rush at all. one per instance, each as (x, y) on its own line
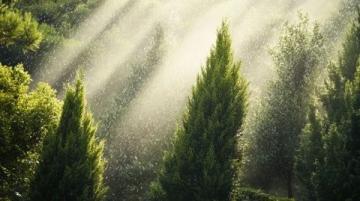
(272, 136)
(335, 174)
(20, 36)
(351, 50)
(309, 154)
(29, 30)
(18, 29)
(26, 117)
(200, 164)
(353, 138)
(72, 165)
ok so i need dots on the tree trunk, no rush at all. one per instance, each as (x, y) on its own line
(289, 185)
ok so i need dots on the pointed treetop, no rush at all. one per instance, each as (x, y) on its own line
(222, 50)
(73, 109)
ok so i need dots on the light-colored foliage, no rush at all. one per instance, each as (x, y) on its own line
(26, 117)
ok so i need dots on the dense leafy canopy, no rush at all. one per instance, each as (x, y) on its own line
(17, 29)
(26, 117)
(272, 135)
(32, 29)
(246, 194)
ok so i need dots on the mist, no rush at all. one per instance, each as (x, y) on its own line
(136, 64)
(118, 30)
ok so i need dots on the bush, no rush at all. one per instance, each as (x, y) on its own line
(248, 194)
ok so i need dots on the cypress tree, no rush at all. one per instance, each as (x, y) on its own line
(72, 165)
(309, 154)
(335, 173)
(200, 164)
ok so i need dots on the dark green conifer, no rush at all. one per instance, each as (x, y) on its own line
(72, 165)
(309, 154)
(200, 165)
(335, 173)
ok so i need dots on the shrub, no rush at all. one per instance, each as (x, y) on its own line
(248, 194)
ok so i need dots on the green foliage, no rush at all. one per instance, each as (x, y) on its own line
(248, 194)
(337, 174)
(17, 29)
(25, 119)
(309, 154)
(63, 15)
(22, 40)
(200, 165)
(272, 135)
(351, 51)
(72, 164)
(334, 171)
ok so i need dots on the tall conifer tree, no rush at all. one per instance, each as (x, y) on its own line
(200, 165)
(72, 165)
(333, 172)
